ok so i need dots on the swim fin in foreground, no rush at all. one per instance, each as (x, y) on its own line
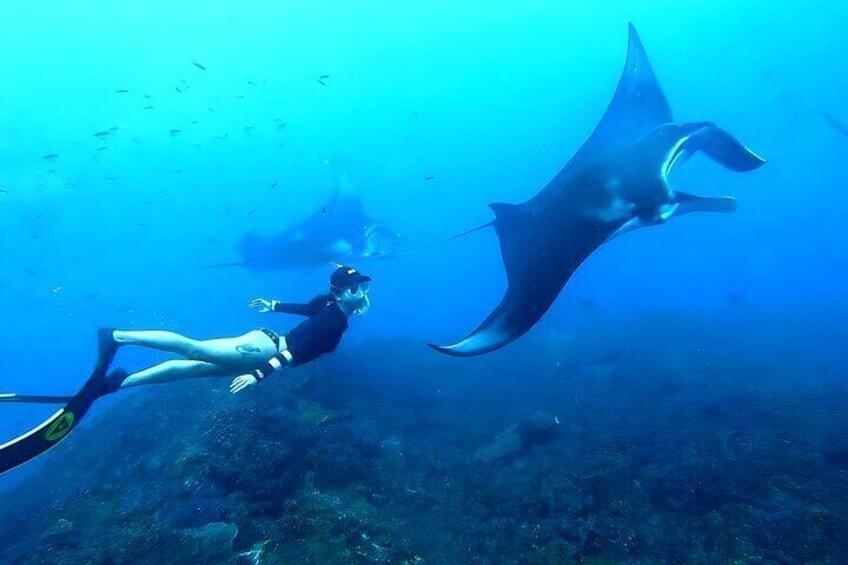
(617, 182)
(57, 427)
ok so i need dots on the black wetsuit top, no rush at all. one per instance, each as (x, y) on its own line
(317, 335)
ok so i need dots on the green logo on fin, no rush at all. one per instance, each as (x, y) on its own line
(60, 427)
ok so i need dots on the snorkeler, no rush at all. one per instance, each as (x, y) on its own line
(250, 358)
(257, 354)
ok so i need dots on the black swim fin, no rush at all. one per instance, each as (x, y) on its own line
(57, 427)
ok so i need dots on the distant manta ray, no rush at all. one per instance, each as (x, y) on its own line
(339, 231)
(617, 182)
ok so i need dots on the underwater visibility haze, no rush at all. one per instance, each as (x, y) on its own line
(231, 230)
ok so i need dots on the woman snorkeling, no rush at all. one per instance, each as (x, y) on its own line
(249, 358)
(256, 354)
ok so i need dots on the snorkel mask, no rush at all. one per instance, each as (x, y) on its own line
(351, 287)
(357, 296)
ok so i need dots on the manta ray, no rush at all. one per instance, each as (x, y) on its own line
(340, 231)
(617, 182)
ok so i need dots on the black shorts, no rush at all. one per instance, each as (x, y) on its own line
(273, 335)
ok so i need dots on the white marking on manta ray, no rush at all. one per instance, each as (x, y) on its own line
(618, 209)
(667, 211)
(670, 160)
(629, 226)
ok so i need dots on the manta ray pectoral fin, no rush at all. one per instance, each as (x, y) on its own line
(686, 203)
(540, 250)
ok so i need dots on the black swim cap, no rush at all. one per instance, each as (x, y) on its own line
(346, 277)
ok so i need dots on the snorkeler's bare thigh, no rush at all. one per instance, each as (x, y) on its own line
(243, 353)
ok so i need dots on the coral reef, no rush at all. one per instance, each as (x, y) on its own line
(642, 457)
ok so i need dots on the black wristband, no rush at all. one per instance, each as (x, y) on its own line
(266, 370)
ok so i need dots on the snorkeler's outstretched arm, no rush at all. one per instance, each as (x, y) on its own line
(309, 309)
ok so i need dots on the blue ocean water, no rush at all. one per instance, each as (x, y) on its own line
(140, 142)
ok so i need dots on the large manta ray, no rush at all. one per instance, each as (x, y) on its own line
(615, 183)
(339, 231)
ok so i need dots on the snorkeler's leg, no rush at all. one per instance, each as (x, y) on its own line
(175, 370)
(244, 352)
(156, 339)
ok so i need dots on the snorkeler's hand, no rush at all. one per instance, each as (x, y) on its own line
(242, 382)
(262, 305)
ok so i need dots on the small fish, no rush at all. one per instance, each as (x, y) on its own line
(51, 171)
(102, 133)
(196, 145)
(210, 108)
(4, 191)
(248, 129)
(322, 79)
(58, 289)
(222, 137)
(51, 157)
(104, 148)
(110, 179)
(113, 128)
(198, 65)
(178, 171)
(148, 96)
(250, 213)
(177, 88)
(90, 296)
(193, 122)
(175, 132)
(239, 97)
(841, 128)
(323, 210)
(71, 183)
(251, 83)
(281, 126)
(429, 177)
(122, 91)
(146, 203)
(273, 185)
(148, 107)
